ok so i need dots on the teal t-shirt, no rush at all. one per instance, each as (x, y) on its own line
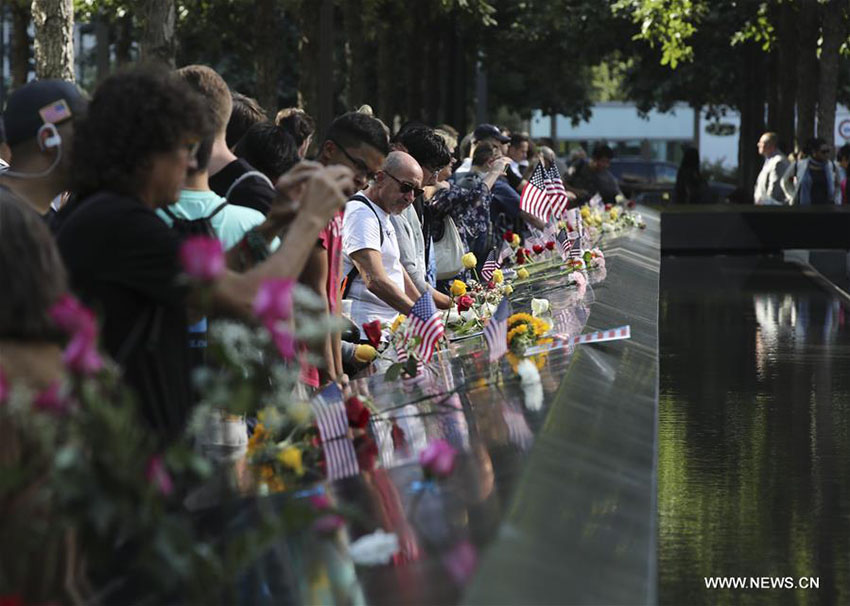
(230, 225)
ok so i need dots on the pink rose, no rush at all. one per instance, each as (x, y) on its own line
(158, 475)
(81, 355)
(438, 459)
(202, 257)
(283, 340)
(461, 561)
(52, 400)
(71, 316)
(274, 300)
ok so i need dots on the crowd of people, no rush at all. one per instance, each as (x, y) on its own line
(368, 219)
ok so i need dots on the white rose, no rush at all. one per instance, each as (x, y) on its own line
(374, 549)
(539, 307)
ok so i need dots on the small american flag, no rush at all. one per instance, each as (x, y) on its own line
(535, 199)
(556, 191)
(490, 265)
(425, 323)
(340, 457)
(496, 330)
(565, 244)
(55, 113)
(612, 334)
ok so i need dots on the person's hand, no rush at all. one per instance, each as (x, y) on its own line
(290, 186)
(500, 164)
(326, 191)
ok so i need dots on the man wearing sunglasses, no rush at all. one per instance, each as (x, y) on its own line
(375, 279)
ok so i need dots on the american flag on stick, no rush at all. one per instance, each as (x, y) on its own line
(496, 330)
(556, 191)
(425, 323)
(490, 265)
(564, 244)
(535, 199)
(332, 421)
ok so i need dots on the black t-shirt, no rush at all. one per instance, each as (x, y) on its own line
(122, 261)
(253, 191)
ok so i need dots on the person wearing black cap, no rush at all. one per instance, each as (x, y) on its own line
(484, 132)
(39, 121)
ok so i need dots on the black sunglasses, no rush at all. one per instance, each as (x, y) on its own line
(406, 187)
(360, 164)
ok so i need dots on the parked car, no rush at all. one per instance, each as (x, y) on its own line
(653, 181)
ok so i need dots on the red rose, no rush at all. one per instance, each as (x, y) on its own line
(358, 415)
(464, 303)
(631, 204)
(550, 245)
(570, 226)
(520, 256)
(537, 249)
(491, 285)
(520, 260)
(508, 237)
(373, 332)
(608, 206)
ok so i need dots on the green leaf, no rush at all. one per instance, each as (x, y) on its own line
(393, 372)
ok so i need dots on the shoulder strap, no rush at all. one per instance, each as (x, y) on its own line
(242, 177)
(349, 278)
(218, 209)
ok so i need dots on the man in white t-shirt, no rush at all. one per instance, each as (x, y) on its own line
(376, 283)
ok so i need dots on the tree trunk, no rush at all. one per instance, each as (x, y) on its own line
(54, 38)
(266, 53)
(20, 52)
(786, 76)
(101, 34)
(752, 115)
(124, 39)
(807, 70)
(833, 33)
(159, 44)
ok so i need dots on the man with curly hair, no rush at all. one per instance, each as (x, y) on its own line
(131, 156)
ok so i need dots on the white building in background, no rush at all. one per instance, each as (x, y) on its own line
(660, 136)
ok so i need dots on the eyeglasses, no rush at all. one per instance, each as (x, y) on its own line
(824, 150)
(405, 188)
(357, 162)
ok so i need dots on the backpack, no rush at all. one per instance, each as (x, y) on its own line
(248, 175)
(194, 227)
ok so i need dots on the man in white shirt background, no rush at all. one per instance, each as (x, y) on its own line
(376, 282)
(769, 182)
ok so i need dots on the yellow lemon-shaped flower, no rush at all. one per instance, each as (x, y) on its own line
(299, 412)
(397, 322)
(522, 273)
(585, 212)
(458, 287)
(469, 261)
(615, 213)
(498, 276)
(515, 241)
(508, 289)
(291, 457)
(365, 353)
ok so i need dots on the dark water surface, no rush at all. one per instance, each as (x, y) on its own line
(754, 432)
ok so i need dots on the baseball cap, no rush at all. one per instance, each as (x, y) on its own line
(37, 103)
(489, 131)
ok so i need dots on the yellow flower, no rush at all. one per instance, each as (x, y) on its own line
(469, 260)
(498, 276)
(615, 212)
(520, 317)
(365, 353)
(521, 329)
(508, 289)
(522, 273)
(397, 322)
(585, 212)
(291, 457)
(515, 241)
(299, 412)
(458, 288)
